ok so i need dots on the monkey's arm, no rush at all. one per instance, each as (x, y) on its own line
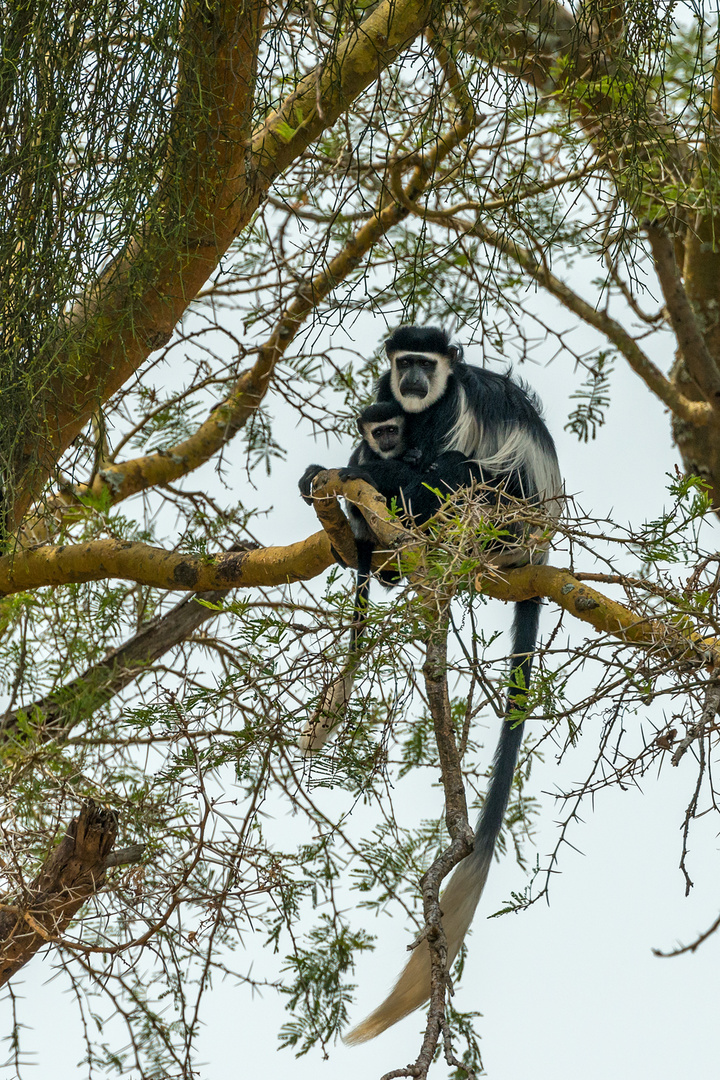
(305, 484)
(389, 477)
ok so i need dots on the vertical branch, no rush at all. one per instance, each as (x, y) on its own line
(693, 348)
(715, 95)
(435, 675)
(456, 819)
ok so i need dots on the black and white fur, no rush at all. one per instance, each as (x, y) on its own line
(381, 459)
(403, 474)
(486, 416)
(495, 422)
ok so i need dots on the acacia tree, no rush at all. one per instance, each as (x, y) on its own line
(200, 205)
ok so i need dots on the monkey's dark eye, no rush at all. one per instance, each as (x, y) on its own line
(403, 362)
(428, 365)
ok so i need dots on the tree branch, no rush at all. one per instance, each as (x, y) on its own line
(58, 712)
(573, 56)
(697, 413)
(70, 875)
(102, 559)
(132, 309)
(118, 481)
(126, 856)
(677, 641)
(99, 560)
(327, 487)
(135, 306)
(461, 835)
(695, 353)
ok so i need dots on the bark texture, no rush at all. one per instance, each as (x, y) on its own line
(71, 874)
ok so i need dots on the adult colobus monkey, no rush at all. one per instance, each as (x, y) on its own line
(492, 420)
(384, 460)
(488, 418)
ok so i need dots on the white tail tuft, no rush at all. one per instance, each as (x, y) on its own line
(412, 989)
(330, 712)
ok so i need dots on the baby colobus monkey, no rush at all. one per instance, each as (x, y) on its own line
(495, 422)
(382, 459)
(400, 472)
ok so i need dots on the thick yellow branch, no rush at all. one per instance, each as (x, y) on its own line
(577, 598)
(119, 481)
(102, 559)
(99, 560)
(143, 294)
(265, 567)
(603, 614)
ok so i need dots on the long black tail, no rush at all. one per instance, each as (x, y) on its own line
(463, 891)
(524, 637)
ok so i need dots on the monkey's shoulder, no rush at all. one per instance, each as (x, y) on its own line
(500, 394)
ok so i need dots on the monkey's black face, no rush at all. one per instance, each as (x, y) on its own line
(418, 380)
(387, 436)
(415, 373)
(385, 439)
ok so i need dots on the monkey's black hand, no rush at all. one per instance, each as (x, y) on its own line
(412, 456)
(354, 473)
(306, 481)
